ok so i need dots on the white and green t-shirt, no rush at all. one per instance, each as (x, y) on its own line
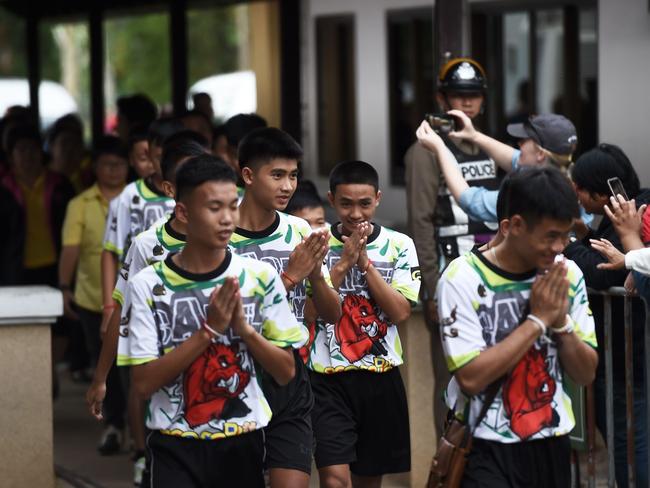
(136, 209)
(148, 247)
(274, 245)
(218, 395)
(480, 305)
(364, 337)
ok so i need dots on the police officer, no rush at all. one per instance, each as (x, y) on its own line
(440, 229)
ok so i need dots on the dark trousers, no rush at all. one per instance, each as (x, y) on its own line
(115, 401)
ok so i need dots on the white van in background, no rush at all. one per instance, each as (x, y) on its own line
(55, 100)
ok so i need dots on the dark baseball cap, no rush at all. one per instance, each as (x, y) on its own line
(552, 132)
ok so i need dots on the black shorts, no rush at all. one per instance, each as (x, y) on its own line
(289, 436)
(532, 464)
(194, 463)
(361, 418)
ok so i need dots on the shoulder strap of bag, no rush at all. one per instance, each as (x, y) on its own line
(490, 395)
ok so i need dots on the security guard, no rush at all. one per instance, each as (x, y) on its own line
(440, 229)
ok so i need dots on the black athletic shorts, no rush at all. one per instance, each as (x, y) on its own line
(194, 463)
(533, 464)
(289, 436)
(361, 418)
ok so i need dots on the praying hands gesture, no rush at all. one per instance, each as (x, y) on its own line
(307, 258)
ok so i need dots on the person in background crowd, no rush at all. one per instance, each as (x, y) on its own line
(138, 150)
(79, 269)
(203, 103)
(306, 204)
(590, 174)
(627, 221)
(43, 196)
(68, 153)
(235, 129)
(440, 229)
(548, 139)
(198, 121)
(133, 111)
(220, 142)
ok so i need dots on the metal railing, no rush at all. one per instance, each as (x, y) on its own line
(607, 296)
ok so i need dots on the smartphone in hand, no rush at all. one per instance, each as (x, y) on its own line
(441, 123)
(617, 188)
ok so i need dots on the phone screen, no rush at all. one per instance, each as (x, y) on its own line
(441, 123)
(616, 187)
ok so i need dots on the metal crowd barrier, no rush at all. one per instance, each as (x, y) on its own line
(609, 388)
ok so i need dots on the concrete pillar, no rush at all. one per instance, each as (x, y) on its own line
(417, 374)
(26, 450)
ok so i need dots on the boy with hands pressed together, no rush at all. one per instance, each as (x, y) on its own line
(353, 361)
(198, 323)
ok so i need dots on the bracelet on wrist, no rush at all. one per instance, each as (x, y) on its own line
(365, 271)
(211, 331)
(567, 328)
(108, 306)
(289, 279)
(538, 322)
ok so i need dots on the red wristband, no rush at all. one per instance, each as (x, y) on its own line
(108, 307)
(288, 278)
(365, 271)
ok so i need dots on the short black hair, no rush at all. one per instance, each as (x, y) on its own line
(592, 170)
(137, 133)
(262, 145)
(161, 129)
(537, 193)
(305, 196)
(239, 126)
(199, 170)
(137, 109)
(353, 172)
(502, 199)
(20, 132)
(68, 123)
(177, 147)
(108, 144)
(197, 113)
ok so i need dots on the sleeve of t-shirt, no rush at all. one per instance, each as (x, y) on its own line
(111, 226)
(515, 159)
(579, 311)
(460, 328)
(479, 203)
(638, 260)
(123, 357)
(73, 224)
(279, 325)
(138, 316)
(127, 269)
(406, 275)
(119, 237)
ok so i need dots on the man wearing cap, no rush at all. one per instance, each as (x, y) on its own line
(547, 139)
(440, 229)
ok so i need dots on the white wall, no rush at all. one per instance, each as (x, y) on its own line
(624, 79)
(372, 108)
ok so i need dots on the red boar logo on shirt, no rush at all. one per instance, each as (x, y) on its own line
(527, 396)
(359, 331)
(212, 386)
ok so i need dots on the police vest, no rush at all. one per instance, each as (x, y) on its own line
(455, 231)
